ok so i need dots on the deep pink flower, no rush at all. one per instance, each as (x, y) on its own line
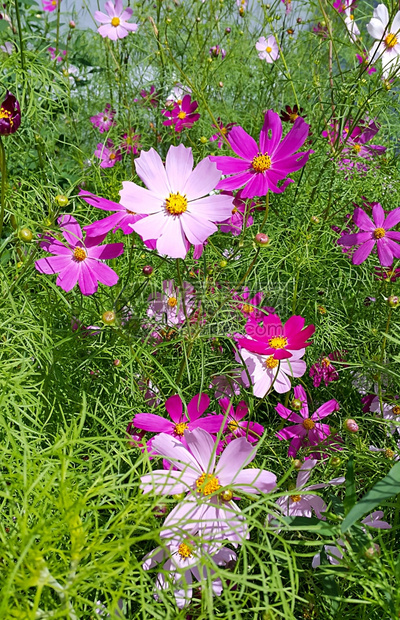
(223, 130)
(262, 166)
(130, 142)
(363, 60)
(115, 23)
(177, 215)
(324, 370)
(355, 142)
(78, 260)
(239, 216)
(49, 5)
(168, 307)
(273, 338)
(343, 5)
(10, 115)
(182, 116)
(308, 431)
(104, 120)
(179, 420)
(216, 51)
(248, 305)
(235, 424)
(375, 232)
(321, 31)
(121, 219)
(389, 275)
(108, 154)
(150, 98)
(52, 52)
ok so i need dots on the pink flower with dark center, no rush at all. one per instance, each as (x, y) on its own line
(115, 24)
(343, 5)
(177, 214)
(179, 420)
(248, 306)
(273, 338)
(210, 486)
(223, 131)
(376, 232)
(235, 424)
(108, 154)
(52, 52)
(301, 503)
(49, 5)
(240, 216)
(104, 120)
(120, 220)
(308, 431)
(78, 261)
(266, 372)
(182, 116)
(130, 142)
(324, 370)
(169, 306)
(261, 166)
(150, 98)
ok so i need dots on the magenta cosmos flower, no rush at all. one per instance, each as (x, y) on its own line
(121, 219)
(247, 305)
(374, 232)
(182, 115)
(78, 261)
(268, 49)
(10, 115)
(177, 214)
(168, 307)
(108, 154)
(223, 131)
(210, 486)
(52, 52)
(308, 431)
(115, 23)
(261, 166)
(273, 338)
(130, 142)
(239, 217)
(266, 372)
(104, 120)
(49, 5)
(179, 420)
(236, 426)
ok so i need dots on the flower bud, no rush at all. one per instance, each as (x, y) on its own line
(72, 24)
(351, 426)
(299, 20)
(261, 239)
(223, 264)
(203, 140)
(168, 20)
(61, 200)
(372, 552)
(314, 219)
(221, 84)
(147, 270)
(335, 461)
(227, 30)
(117, 362)
(160, 510)
(296, 404)
(297, 463)
(393, 301)
(108, 317)
(25, 235)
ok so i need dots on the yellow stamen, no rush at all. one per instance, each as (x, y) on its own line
(131, 212)
(179, 101)
(6, 114)
(271, 362)
(112, 156)
(234, 210)
(325, 362)
(207, 484)
(172, 302)
(396, 410)
(79, 254)
(295, 498)
(308, 424)
(261, 163)
(379, 233)
(185, 551)
(389, 453)
(181, 115)
(293, 116)
(357, 148)
(247, 309)
(224, 130)
(115, 21)
(268, 49)
(179, 428)
(233, 425)
(176, 204)
(390, 40)
(280, 342)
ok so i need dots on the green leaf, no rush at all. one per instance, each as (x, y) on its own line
(310, 524)
(350, 497)
(384, 489)
(3, 25)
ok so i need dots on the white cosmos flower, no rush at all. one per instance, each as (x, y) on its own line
(351, 25)
(387, 45)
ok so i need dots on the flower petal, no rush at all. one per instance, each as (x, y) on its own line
(150, 169)
(179, 166)
(236, 455)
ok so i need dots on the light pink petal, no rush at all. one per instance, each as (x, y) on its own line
(164, 482)
(362, 220)
(305, 472)
(236, 455)
(53, 264)
(111, 33)
(254, 481)
(202, 180)
(179, 166)
(68, 277)
(300, 394)
(126, 14)
(216, 208)
(129, 27)
(317, 504)
(174, 451)
(152, 226)
(362, 253)
(150, 169)
(140, 200)
(175, 408)
(381, 12)
(102, 17)
(172, 242)
(196, 229)
(202, 447)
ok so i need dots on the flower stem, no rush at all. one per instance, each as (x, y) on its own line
(266, 211)
(58, 28)
(21, 44)
(3, 183)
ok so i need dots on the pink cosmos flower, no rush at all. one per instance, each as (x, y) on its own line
(216, 51)
(273, 338)
(177, 215)
(354, 142)
(308, 431)
(182, 116)
(52, 52)
(260, 167)
(49, 5)
(343, 5)
(78, 261)
(104, 120)
(389, 412)
(120, 220)
(130, 142)
(266, 372)
(223, 129)
(324, 370)
(363, 60)
(115, 23)
(227, 385)
(302, 504)
(240, 215)
(248, 306)
(179, 420)
(211, 486)
(268, 49)
(168, 307)
(235, 424)
(352, 28)
(375, 232)
(387, 44)
(150, 98)
(183, 559)
(108, 154)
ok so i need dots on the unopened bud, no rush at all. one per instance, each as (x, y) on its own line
(393, 301)
(297, 463)
(160, 510)
(299, 20)
(72, 24)
(261, 239)
(203, 140)
(147, 270)
(221, 84)
(314, 219)
(117, 362)
(372, 552)
(351, 426)
(296, 404)
(61, 200)
(223, 264)
(335, 461)
(108, 317)
(227, 30)
(25, 235)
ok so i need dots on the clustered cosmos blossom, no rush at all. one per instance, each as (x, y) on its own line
(115, 24)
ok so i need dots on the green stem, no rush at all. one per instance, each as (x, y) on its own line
(266, 211)
(21, 45)
(58, 28)
(3, 183)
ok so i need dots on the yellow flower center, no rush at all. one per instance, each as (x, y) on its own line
(181, 115)
(54, 2)
(179, 101)
(112, 156)
(115, 21)
(172, 302)
(207, 484)
(185, 551)
(131, 212)
(79, 254)
(396, 410)
(293, 116)
(389, 453)
(179, 428)
(176, 204)
(295, 498)
(233, 425)
(247, 309)
(390, 40)
(271, 362)
(379, 233)
(105, 118)
(357, 148)
(308, 424)
(268, 49)
(280, 342)
(351, 17)
(6, 114)
(224, 130)
(234, 210)
(325, 362)
(261, 163)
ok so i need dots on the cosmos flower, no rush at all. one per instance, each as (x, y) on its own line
(324, 370)
(223, 129)
(227, 385)
(182, 115)
(351, 25)
(235, 424)
(130, 142)
(108, 154)
(266, 372)
(387, 45)
(307, 430)
(120, 220)
(240, 215)
(169, 306)
(78, 261)
(115, 24)
(216, 51)
(52, 52)
(260, 167)
(389, 412)
(104, 120)
(268, 49)
(248, 305)
(150, 98)
(49, 5)
(177, 214)
(10, 115)
(376, 232)
(289, 115)
(363, 60)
